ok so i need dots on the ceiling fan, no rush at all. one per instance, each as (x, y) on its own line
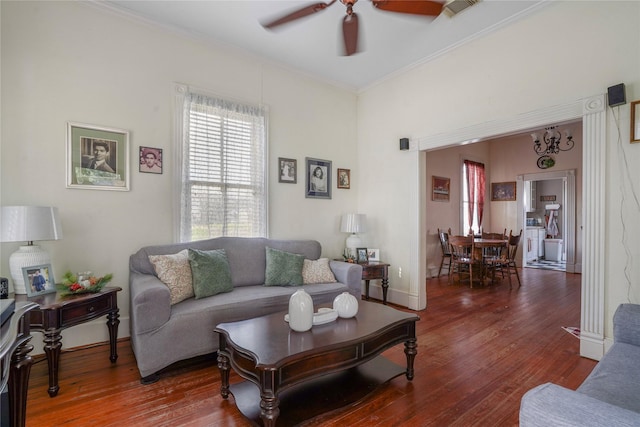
(350, 21)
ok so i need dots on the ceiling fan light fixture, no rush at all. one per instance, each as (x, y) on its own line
(453, 7)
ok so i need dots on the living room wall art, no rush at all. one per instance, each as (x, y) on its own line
(440, 188)
(344, 178)
(97, 157)
(288, 170)
(503, 191)
(318, 181)
(635, 121)
(150, 160)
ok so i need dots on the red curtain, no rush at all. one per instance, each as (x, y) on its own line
(475, 186)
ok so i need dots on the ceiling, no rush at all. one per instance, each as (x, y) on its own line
(389, 42)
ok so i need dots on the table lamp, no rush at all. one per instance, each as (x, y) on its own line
(28, 224)
(352, 223)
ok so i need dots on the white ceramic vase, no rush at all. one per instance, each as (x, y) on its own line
(346, 305)
(300, 311)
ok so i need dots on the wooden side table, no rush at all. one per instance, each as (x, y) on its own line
(55, 313)
(375, 270)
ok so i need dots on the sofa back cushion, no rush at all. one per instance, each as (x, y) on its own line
(246, 255)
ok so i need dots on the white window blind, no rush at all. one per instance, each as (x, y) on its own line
(223, 169)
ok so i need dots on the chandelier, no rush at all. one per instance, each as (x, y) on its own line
(552, 142)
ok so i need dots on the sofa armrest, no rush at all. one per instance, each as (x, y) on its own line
(150, 302)
(350, 274)
(551, 405)
(626, 324)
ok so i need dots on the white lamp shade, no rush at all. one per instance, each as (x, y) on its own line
(353, 223)
(30, 223)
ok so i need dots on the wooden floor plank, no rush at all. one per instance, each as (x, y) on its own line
(479, 351)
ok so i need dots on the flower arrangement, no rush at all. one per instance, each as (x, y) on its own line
(71, 285)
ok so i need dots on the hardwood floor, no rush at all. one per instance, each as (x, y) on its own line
(479, 351)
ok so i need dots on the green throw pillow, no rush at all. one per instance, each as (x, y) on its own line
(283, 268)
(210, 271)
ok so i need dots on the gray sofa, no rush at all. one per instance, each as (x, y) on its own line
(162, 334)
(610, 396)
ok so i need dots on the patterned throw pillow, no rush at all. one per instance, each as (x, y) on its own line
(174, 271)
(317, 272)
(283, 268)
(210, 271)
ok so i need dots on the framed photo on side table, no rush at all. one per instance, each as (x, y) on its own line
(362, 255)
(318, 179)
(373, 254)
(97, 157)
(39, 279)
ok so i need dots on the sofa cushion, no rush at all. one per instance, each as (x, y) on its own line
(210, 271)
(317, 271)
(283, 268)
(174, 271)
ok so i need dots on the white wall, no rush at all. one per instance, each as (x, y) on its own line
(562, 53)
(71, 61)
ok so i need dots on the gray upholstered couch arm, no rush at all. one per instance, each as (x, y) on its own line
(150, 302)
(626, 324)
(350, 274)
(552, 405)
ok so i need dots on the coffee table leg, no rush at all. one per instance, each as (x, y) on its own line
(410, 349)
(223, 365)
(269, 409)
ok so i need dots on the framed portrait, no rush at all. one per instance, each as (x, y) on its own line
(150, 160)
(39, 279)
(97, 157)
(344, 178)
(373, 254)
(635, 121)
(288, 170)
(440, 188)
(318, 178)
(503, 191)
(362, 255)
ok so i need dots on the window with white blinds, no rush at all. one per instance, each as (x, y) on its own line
(223, 169)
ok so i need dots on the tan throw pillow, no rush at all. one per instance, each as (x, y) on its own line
(175, 272)
(317, 272)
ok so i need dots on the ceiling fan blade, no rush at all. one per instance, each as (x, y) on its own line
(413, 7)
(297, 14)
(350, 33)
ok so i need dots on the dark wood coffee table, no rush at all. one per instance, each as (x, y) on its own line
(294, 376)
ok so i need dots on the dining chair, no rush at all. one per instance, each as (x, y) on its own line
(507, 263)
(463, 259)
(446, 250)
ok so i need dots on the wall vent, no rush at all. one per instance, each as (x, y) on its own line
(454, 7)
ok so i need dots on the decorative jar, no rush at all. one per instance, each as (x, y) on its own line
(346, 305)
(300, 311)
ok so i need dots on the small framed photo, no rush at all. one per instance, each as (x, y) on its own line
(39, 279)
(440, 188)
(503, 191)
(635, 121)
(318, 178)
(97, 157)
(150, 160)
(288, 170)
(362, 255)
(373, 254)
(344, 178)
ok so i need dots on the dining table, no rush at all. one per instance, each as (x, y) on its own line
(486, 249)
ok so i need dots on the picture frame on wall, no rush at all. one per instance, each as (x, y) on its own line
(318, 178)
(344, 178)
(150, 160)
(39, 279)
(97, 157)
(440, 188)
(288, 170)
(635, 121)
(503, 191)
